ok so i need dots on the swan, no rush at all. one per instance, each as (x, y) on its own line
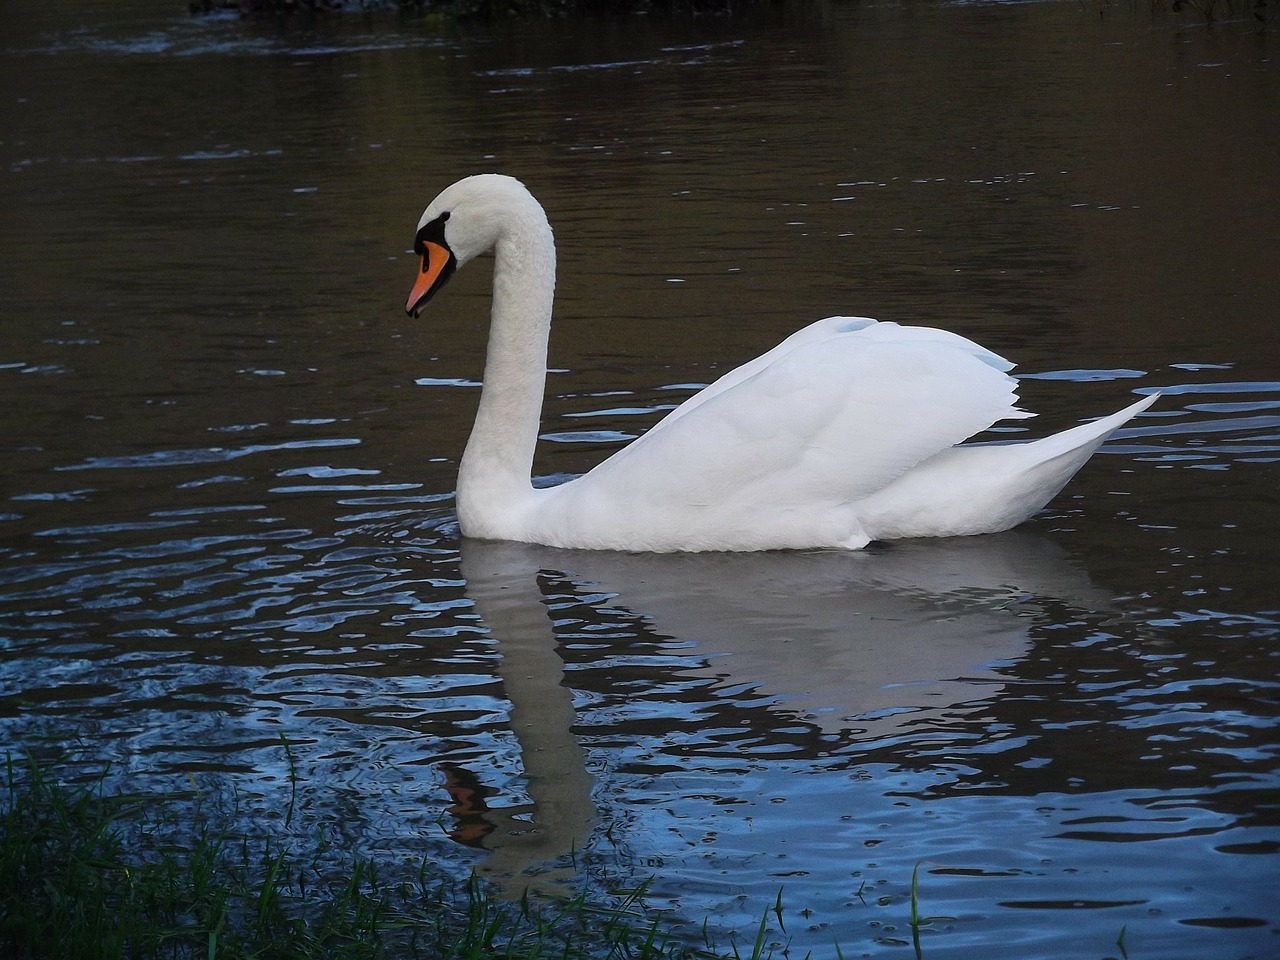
(850, 430)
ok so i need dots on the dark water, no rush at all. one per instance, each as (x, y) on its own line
(229, 458)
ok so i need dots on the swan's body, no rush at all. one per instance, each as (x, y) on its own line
(846, 432)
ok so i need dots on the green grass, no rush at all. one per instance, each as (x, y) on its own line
(89, 874)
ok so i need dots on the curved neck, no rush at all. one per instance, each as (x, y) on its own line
(494, 475)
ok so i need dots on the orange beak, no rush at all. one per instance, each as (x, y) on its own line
(437, 266)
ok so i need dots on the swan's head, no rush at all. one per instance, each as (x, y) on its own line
(463, 222)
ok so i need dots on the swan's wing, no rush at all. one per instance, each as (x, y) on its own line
(819, 330)
(867, 330)
(828, 421)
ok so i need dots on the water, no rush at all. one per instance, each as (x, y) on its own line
(229, 458)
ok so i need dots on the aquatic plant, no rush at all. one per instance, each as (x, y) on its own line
(89, 873)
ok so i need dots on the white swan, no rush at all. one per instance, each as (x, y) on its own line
(844, 433)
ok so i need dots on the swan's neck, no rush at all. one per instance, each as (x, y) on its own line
(494, 488)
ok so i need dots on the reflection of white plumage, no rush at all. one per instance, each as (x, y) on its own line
(844, 433)
(912, 629)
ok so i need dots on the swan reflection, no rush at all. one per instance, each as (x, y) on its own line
(855, 644)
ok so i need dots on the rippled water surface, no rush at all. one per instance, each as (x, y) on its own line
(229, 458)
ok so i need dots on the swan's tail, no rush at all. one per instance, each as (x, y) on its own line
(985, 488)
(1087, 437)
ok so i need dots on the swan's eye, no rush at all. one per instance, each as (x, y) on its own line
(433, 231)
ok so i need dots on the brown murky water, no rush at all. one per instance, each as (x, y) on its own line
(229, 457)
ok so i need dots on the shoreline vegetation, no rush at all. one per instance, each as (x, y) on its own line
(466, 9)
(1209, 11)
(90, 873)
